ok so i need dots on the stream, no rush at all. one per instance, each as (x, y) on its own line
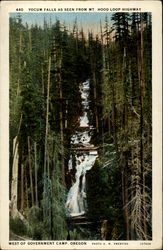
(85, 157)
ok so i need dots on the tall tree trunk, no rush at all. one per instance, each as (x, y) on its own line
(14, 183)
(125, 193)
(47, 120)
(125, 142)
(142, 94)
(114, 116)
(109, 126)
(30, 171)
(66, 113)
(22, 187)
(102, 46)
(61, 120)
(26, 190)
(36, 189)
(95, 99)
(126, 197)
(125, 200)
(42, 80)
(19, 63)
(132, 192)
(46, 165)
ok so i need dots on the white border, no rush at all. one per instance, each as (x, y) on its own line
(146, 6)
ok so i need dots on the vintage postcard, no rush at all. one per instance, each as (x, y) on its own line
(81, 115)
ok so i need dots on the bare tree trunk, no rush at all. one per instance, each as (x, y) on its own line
(104, 230)
(142, 94)
(125, 194)
(14, 183)
(42, 80)
(26, 191)
(102, 45)
(30, 171)
(125, 151)
(19, 64)
(15, 165)
(95, 98)
(126, 200)
(61, 122)
(47, 119)
(46, 165)
(66, 113)
(22, 187)
(133, 163)
(20, 122)
(36, 189)
(114, 116)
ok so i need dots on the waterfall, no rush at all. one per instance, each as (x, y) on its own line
(85, 157)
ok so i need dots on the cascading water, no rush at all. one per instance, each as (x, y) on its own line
(85, 158)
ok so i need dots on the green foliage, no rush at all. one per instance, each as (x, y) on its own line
(114, 67)
(74, 235)
(59, 229)
(53, 203)
(83, 233)
(36, 223)
(103, 189)
(126, 115)
(47, 208)
(18, 227)
(32, 108)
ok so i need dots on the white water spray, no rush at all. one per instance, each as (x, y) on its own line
(84, 160)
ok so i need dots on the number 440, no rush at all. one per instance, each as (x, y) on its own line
(19, 9)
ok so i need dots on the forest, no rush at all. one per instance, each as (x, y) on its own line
(81, 130)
